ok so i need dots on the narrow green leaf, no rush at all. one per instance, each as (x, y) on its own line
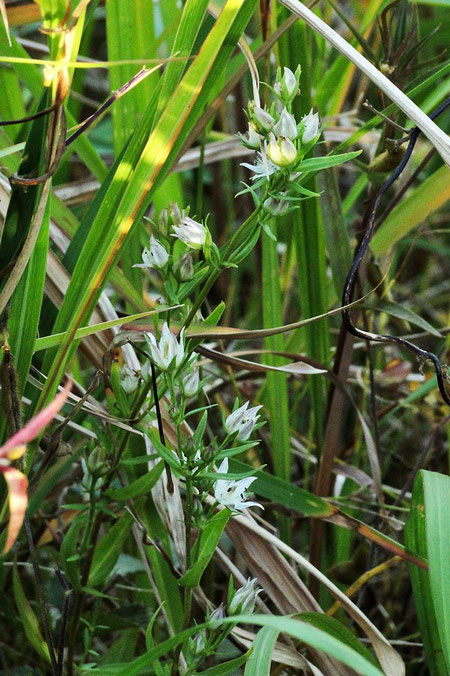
(69, 557)
(261, 657)
(140, 486)
(339, 631)
(209, 539)
(423, 535)
(408, 315)
(286, 493)
(29, 619)
(427, 197)
(436, 488)
(109, 548)
(318, 163)
(226, 667)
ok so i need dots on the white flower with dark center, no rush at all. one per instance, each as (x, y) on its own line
(310, 125)
(155, 257)
(232, 493)
(242, 421)
(286, 126)
(168, 350)
(190, 232)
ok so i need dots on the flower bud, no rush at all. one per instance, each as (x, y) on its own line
(286, 88)
(95, 463)
(190, 384)
(217, 614)
(262, 120)
(282, 152)
(251, 139)
(164, 221)
(183, 268)
(286, 126)
(129, 380)
(244, 599)
(310, 124)
(197, 644)
(175, 214)
(276, 207)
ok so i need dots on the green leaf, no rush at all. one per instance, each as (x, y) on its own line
(286, 493)
(339, 631)
(260, 660)
(69, 556)
(140, 486)
(144, 164)
(209, 539)
(424, 200)
(226, 667)
(408, 315)
(50, 341)
(29, 619)
(302, 631)
(318, 163)
(428, 533)
(109, 548)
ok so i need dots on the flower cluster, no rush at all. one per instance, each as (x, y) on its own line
(281, 140)
(177, 224)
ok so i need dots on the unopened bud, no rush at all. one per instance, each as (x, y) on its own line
(183, 268)
(175, 214)
(262, 120)
(190, 384)
(281, 152)
(286, 126)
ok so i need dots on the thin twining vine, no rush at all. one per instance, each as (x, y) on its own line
(362, 249)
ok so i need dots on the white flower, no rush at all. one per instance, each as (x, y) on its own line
(244, 599)
(242, 421)
(251, 139)
(231, 493)
(155, 257)
(262, 119)
(310, 126)
(282, 152)
(191, 233)
(260, 168)
(190, 383)
(128, 379)
(168, 349)
(286, 126)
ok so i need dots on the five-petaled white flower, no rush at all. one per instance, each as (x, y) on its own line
(155, 257)
(231, 493)
(310, 125)
(191, 233)
(168, 350)
(242, 421)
